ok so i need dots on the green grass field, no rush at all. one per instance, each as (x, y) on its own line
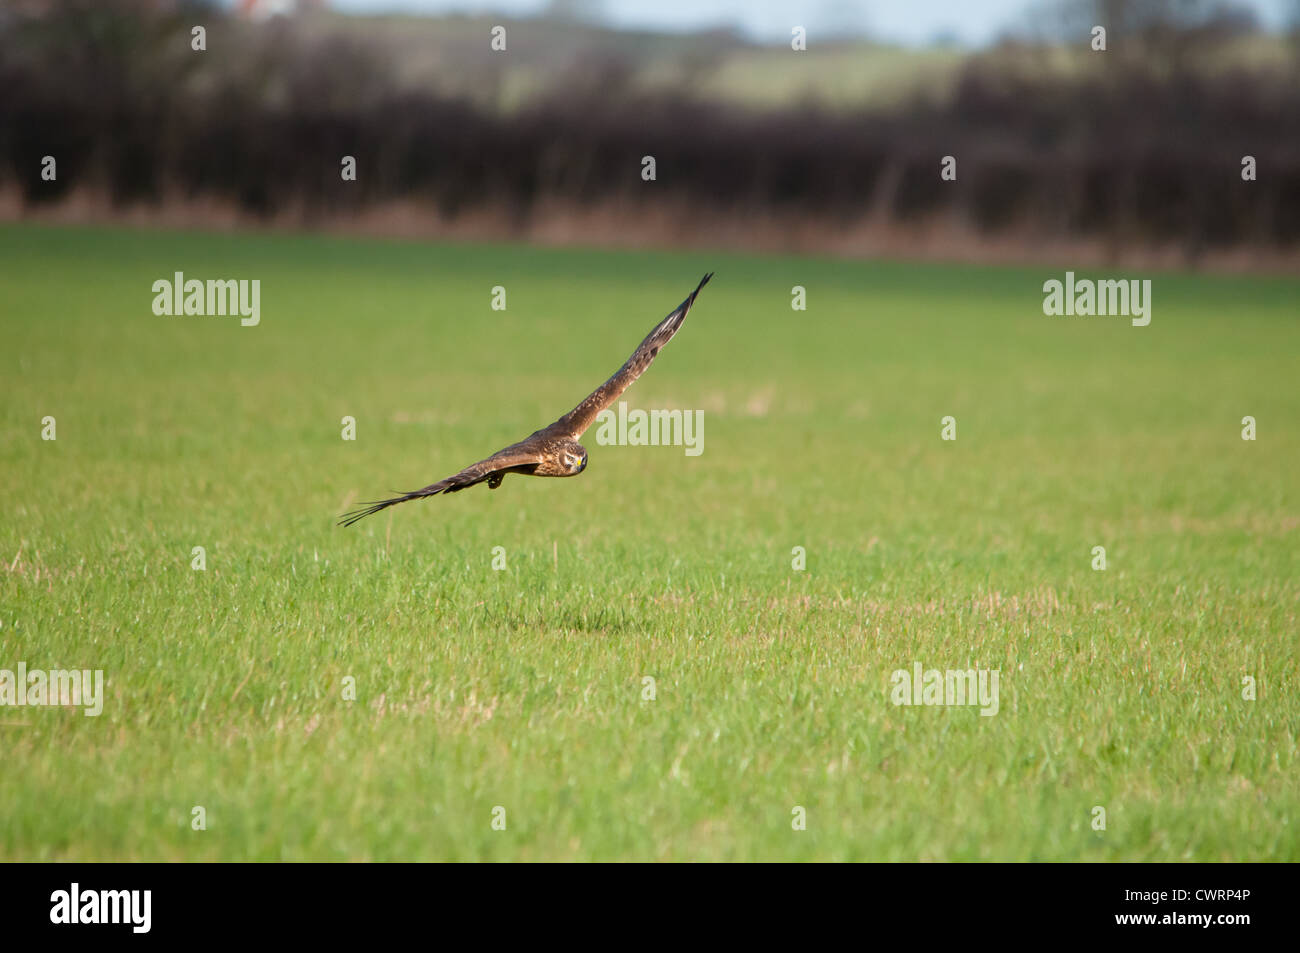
(523, 688)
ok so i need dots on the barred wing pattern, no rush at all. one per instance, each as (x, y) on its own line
(576, 421)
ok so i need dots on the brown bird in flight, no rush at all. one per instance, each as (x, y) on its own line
(553, 451)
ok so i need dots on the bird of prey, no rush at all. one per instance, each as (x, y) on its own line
(553, 451)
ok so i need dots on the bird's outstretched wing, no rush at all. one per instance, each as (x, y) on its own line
(515, 459)
(576, 421)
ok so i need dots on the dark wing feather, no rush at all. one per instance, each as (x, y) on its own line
(515, 458)
(576, 421)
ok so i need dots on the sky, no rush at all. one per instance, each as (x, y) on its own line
(911, 22)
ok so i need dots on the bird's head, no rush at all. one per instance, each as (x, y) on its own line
(574, 458)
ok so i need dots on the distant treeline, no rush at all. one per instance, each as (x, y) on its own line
(1128, 152)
